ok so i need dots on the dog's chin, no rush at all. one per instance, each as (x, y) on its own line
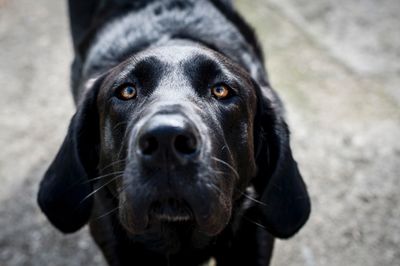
(207, 218)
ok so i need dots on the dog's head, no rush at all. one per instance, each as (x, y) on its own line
(176, 133)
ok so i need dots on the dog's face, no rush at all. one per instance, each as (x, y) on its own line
(181, 119)
(176, 133)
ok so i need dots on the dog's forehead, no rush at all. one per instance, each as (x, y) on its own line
(182, 67)
(177, 54)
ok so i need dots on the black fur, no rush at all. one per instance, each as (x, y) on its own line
(227, 196)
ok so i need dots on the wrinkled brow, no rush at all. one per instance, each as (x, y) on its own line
(201, 70)
(147, 71)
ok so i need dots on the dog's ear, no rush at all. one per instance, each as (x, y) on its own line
(278, 182)
(64, 189)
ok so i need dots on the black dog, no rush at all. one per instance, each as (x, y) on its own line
(178, 151)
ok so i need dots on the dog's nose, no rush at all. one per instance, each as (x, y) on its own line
(168, 138)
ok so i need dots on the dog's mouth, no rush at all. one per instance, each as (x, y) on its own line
(196, 206)
(170, 210)
(207, 212)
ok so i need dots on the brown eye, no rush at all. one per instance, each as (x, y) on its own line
(220, 91)
(126, 92)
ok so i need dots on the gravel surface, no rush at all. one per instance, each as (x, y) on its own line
(337, 69)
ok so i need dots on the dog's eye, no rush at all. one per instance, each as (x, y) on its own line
(220, 91)
(126, 92)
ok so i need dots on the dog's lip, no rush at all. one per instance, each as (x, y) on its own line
(207, 218)
(210, 218)
(171, 210)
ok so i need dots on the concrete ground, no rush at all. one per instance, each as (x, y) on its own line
(337, 67)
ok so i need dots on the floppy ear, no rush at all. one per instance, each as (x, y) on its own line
(278, 181)
(65, 185)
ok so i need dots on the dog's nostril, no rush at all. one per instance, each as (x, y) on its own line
(185, 144)
(149, 145)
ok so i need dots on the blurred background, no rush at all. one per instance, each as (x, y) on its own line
(336, 65)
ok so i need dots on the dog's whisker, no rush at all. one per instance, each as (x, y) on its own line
(107, 213)
(119, 124)
(255, 223)
(124, 137)
(98, 189)
(123, 141)
(247, 196)
(122, 188)
(215, 187)
(227, 165)
(103, 176)
(112, 164)
(219, 172)
(120, 206)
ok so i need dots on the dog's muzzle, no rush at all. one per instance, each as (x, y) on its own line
(168, 177)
